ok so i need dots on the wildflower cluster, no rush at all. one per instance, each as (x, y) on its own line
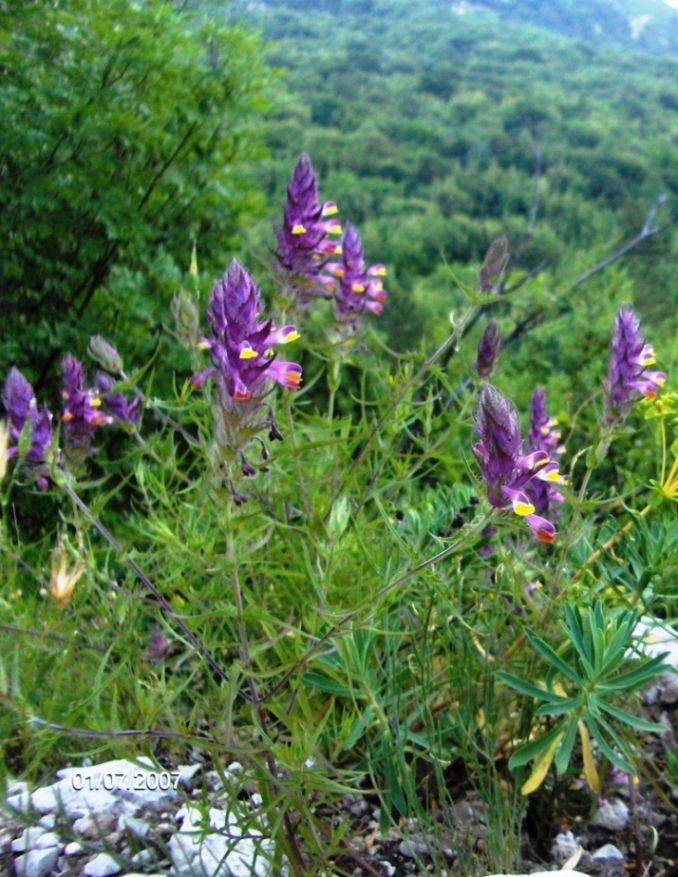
(85, 408)
(305, 251)
(509, 473)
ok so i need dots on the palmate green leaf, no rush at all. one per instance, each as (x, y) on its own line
(528, 689)
(526, 753)
(547, 652)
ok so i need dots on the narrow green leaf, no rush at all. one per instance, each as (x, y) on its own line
(535, 747)
(634, 721)
(567, 705)
(605, 747)
(322, 683)
(547, 652)
(634, 678)
(527, 688)
(564, 753)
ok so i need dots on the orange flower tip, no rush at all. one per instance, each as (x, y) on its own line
(294, 378)
(337, 272)
(241, 395)
(315, 257)
(545, 536)
(298, 229)
(358, 287)
(66, 416)
(650, 393)
(64, 395)
(248, 353)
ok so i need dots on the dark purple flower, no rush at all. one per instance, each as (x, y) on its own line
(488, 350)
(544, 436)
(82, 405)
(240, 345)
(494, 264)
(303, 242)
(628, 380)
(505, 469)
(115, 403)
(360, 286)
(20, 406)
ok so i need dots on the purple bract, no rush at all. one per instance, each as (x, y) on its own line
(628, 379)
(488, 350)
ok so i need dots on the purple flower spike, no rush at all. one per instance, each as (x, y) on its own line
(303, 240)
(82, 406)
(20, 405)
(628, 380)
(507, 472)
(360, 286)
(241, 346)
(488, 350)
(494, 264)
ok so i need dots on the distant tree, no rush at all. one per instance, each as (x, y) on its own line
(126, 125)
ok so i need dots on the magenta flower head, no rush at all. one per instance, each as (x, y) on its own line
(304, 244)
(488, 350)
(244, 363)
(82, 412)
(628, 379)
(241, 345)
(122, 409)
(493, 265)
(20, 406)
(360, 287)
(506, 470)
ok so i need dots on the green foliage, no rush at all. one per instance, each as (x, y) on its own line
(130, 124)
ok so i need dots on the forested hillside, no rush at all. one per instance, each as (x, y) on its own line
(436, 131)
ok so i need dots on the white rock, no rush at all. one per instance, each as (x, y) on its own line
(564, 846)
(544, 874)
(102, 865)
(187, 772)
(48, 821)
(608, 853)
(137, 827)
(656, 638)
(208, 854)
(36, 863)
(49, 839)
(20, 802)
(28, 840)
(74, 849)
(613, 815)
